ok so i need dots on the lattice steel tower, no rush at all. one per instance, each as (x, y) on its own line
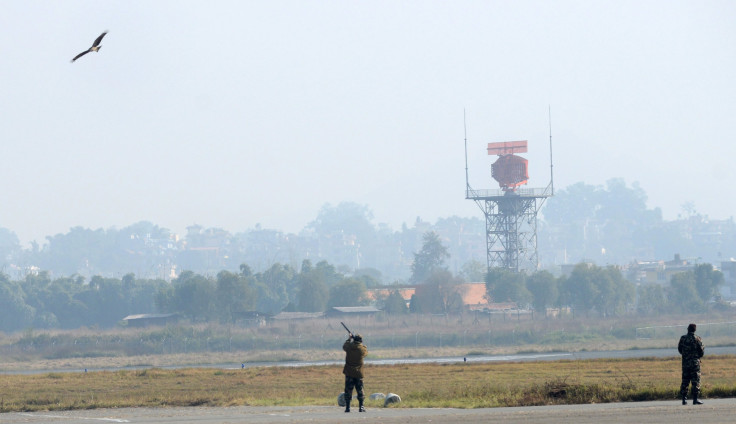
(510, 211)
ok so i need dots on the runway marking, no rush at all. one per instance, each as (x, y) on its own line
(112, 420)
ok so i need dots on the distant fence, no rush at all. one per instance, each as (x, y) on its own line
(708, 329)
(510, 327)
(479, 329)
(326, 340)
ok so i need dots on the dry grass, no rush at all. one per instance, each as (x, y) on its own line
(467, 385)
(409, 336)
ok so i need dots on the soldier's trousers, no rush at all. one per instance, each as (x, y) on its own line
(690, 375)
(353, 383)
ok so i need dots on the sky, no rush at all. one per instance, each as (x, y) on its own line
(230, 114)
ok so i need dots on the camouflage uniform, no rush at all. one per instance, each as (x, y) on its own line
(355, 351)
(692, 349)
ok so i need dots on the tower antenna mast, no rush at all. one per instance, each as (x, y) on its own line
(551, 167)
(465, 130)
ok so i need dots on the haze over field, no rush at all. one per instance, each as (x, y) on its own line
(229, 114)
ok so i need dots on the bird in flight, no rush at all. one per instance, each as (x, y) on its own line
(95, 47)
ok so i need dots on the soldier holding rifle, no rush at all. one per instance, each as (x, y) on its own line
(355, 351)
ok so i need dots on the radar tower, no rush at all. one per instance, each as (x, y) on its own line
(510, 211)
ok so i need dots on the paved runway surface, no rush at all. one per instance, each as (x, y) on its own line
(714, 411)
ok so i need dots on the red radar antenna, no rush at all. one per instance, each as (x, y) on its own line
(509, 169)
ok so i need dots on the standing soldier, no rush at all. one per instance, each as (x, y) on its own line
(355, 351)
(691, 348)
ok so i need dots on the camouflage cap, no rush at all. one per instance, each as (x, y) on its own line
(358, 338)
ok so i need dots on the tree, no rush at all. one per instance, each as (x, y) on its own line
(9, 246)
(306, 266)
(503, 285)
(346, 218)
(80, 249)
(326, 273)
(313, 293)
(652, 300)
(15, 314)
(235, 295)
(607, 224)
(348, 292)
(543, 288)
(105, 301)
(276, 287)
(692, 290)
(132, 248)
(141, 295)
(429, 259)
(371, 277)
(347, 221)
(245, 270)
(683, 294)
(591, 287)
(128, 281)
(394, 304)
(473, 270)
(440, 294)
(415, 305)
(707, 282)
(164, 299)
(62, 298)
(615, 293)
(580, 288)
(194, 295)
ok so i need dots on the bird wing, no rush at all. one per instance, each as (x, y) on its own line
(99, 39)
(80, 55)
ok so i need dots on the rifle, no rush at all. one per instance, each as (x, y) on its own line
(346, 327)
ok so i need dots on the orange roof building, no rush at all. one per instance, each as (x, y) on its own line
(473, 294)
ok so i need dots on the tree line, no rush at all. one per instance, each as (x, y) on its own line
(591, 289)
(231, 296)
(38, 301)
(608, 224)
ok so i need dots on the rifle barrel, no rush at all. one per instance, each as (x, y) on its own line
(346, 327)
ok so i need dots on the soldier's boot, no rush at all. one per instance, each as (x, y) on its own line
(684, 399)
(360, 406)
(347, 405)
(695, 397)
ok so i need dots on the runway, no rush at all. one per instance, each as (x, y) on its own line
(712, 412)
(520, 357)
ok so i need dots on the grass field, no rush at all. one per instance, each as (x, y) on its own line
(466, 385)
(423, 337)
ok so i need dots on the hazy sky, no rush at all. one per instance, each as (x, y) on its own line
(232, 113)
